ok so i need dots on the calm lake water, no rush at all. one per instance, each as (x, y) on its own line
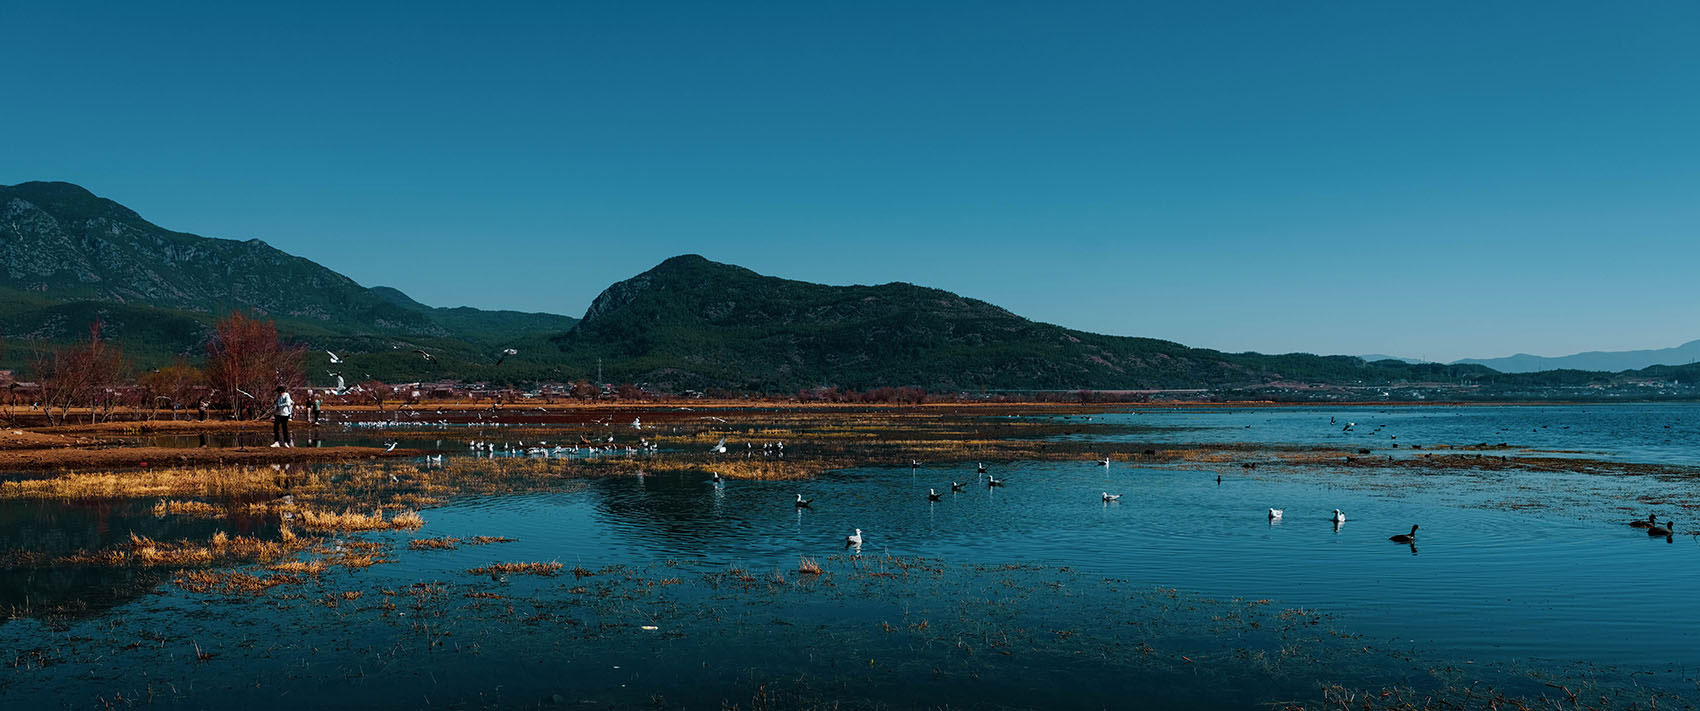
(1666, 433)
(1515, 574)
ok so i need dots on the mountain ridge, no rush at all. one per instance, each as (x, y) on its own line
(690, 321)
(69, 257)
(67, 254)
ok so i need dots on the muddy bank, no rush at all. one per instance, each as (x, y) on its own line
(20, 439)
(135, 427)
(130, 457)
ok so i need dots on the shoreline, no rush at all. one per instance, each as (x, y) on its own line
(70, 459)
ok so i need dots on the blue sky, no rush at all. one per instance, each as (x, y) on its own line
(1426, 179)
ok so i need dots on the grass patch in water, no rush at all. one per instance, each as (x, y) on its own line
(550, 569)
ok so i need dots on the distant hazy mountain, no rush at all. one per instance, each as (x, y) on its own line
(1373, 357)
(1608, 361)
(68, 257)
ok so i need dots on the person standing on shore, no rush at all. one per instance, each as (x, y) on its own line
(284, 407)
(315, 408)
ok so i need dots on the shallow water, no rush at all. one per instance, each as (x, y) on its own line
(1565, 581)
(1512, 571)
(1654, 433)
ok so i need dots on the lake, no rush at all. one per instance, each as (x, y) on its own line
(1183, 592)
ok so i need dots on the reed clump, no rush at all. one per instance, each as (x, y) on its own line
(348, 520)
(222, 547)
(443, 544)
(232, 582)
(196, 509)
(550, 569)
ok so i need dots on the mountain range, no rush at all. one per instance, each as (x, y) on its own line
(68, 257)
(1609, 361)
(1601, 361)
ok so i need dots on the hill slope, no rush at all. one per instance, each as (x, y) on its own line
(692, 323)
(68, 257)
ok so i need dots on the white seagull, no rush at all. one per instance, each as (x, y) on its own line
(1108, 497)
(854, 539)
(1276, 513)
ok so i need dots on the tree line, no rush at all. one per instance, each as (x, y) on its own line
(245, 363)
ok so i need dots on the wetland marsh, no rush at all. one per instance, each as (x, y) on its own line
(545, 575)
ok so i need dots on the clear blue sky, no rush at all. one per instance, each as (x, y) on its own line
(1423, 179)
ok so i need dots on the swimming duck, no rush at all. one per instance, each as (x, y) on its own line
(932, 495)
(1649, 523)
(1276, 513)
(803, 503)
(1662, 529)
(1108, 497)
(854, 539)
(1338, 517)
(1405, 537)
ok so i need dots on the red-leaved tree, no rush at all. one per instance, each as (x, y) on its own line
(246, 360)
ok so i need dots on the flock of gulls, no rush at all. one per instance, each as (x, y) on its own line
(855, 540)
(606, 445)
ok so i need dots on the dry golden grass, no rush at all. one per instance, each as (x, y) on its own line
(231, 582)
(198, 509)
(314, 520)
(486, 540)
(196, 482)
(808, 566)
(353, 554)
(445, 543)
(302, 567)
(221, 548)
(544, 569)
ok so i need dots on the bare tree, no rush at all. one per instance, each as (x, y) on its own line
(174, 384)
(245, 359)
(378, 391)
(82, 375)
